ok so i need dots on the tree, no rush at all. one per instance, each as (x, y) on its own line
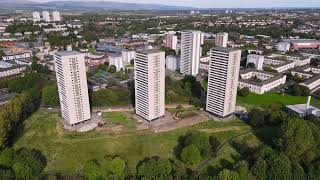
(228, 175)
(297, 172)
(50, 95)
(259, 169)
(313, 62)
(296, 138)
(6, 174)
(155, 168)
(256, 117)
(29, 163)
(242, 168)
(112, 69)
(279, 167)
(215, 143)
(113, 167)
(201, 141)
(2, 54)
(7, 157)
(112, 82)
(190, 155)
(251, 65)
(91, 170)
(244, 92)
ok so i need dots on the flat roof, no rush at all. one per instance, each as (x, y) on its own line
(301, 40)
(5, 64)
(311, 80)
(224, 49)
(300, 108)
(190, 31)
(149, 51)
(68, 53)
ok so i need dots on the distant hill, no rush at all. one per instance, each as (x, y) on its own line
(86, 5)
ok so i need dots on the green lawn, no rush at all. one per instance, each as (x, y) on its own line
(270, 98)
(66, 152)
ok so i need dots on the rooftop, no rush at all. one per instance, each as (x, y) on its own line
(301, 40)
(68, 53)
(311, 80)
(225, 49)
(149, 51)
(4, 64)
(301, 108)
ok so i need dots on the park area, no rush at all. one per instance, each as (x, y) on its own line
(67, 152)
(273, 98)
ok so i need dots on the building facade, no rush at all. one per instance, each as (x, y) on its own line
(149, 76)
(257, 60)
(56, 16)
(221, 39)
(191, 42)
(46, 16)
(127, 56)
(171, 41)
(36, 16)
(72, 86)
(223, 77)
(116, 60)
(172, 63)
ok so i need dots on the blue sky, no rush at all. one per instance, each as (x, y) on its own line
(226, 3)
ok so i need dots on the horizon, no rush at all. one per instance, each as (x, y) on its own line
(229, 4)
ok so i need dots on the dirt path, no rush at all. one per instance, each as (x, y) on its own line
(208, 161)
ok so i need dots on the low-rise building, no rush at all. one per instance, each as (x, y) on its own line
(9, 57)
(283, 46)
(260, 81)
(5, 72)
(312, 83)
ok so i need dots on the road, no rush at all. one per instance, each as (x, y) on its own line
(124, 108)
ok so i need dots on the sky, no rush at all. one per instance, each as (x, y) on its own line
(225, 3)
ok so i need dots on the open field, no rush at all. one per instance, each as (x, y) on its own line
(270, 98)
(66, 152)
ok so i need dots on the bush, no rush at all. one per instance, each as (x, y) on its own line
(190, 155)
(244, 92)
(50, 95)
(111, 97)
(155, 168)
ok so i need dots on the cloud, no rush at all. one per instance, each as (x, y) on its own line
(225, 3)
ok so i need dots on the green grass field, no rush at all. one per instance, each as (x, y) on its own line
(67, 152)
(270, 98)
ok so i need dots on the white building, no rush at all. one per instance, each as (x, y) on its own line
(223, 77)
(5, 72)
(127, 56)
(16, 56)
(116, 60)
(36, 16)
(171, 41)
(56, 16)
(149, 76)
(172, 63)
(191, 42)
(72, 86)
(267, 80)
(283, 46)
(46, 16)
(312, 83)
(221, 39)
(257, 60)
